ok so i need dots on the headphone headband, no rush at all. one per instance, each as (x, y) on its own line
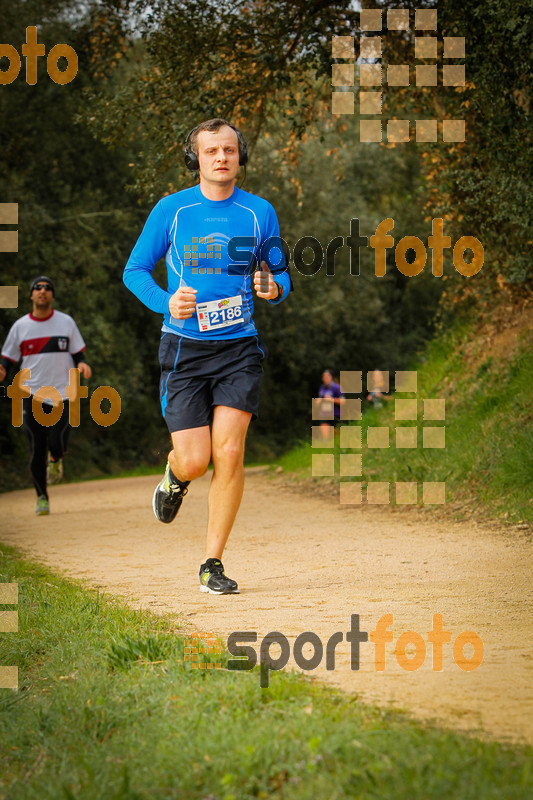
(191, 158)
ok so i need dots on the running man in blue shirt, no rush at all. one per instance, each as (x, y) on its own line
(212, 236)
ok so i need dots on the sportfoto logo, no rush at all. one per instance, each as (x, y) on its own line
(31, 51)
(372, 75)
(9, 623)
(201, 248)
(9, 243)
(74, 392)
(308, 255)
(410, 649)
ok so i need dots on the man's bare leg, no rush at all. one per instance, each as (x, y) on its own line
(188, 460)
(228, 437)
(191, 453)
(324, 429)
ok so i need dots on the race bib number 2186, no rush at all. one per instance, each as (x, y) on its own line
(220, 313)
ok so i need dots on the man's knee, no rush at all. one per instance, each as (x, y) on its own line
(191, 465)
(230, 452)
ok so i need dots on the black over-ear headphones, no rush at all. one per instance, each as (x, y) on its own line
(191, 158)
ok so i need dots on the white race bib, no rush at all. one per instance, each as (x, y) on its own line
(220, 313)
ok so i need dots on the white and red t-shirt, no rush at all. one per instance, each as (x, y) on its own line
(45, 346)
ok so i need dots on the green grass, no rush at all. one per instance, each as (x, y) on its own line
(488, 458)
(107, 708)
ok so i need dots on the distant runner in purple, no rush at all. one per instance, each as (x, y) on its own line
(331, 395)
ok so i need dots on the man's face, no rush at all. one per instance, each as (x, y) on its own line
(41, 296)
(218, 155)
(326, 378)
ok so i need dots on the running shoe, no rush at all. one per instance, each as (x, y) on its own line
(43, 506)
(213, 579)
(168, 497)
(54, 471)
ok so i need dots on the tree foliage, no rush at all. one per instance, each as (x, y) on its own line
(251, 61)
(245, 61)
(481, 186)
(86, 161)
(76, 224)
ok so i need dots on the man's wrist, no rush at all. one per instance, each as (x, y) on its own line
(280, 291)
(78, 358)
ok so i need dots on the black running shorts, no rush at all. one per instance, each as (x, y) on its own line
(198, 375)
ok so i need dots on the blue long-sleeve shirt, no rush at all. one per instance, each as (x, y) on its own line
(197, 236)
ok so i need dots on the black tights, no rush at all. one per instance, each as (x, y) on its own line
(41, 438)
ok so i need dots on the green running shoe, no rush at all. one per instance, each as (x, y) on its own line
(54, 471)
(168, 497)
(213, 580)
(43, 506)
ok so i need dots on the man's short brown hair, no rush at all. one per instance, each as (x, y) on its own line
(213, 125)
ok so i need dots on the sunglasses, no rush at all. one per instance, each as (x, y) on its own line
(46, 286)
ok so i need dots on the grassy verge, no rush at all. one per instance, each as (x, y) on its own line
(487, 462)
(107, 708)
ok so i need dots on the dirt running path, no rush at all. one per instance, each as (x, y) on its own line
(307, 564)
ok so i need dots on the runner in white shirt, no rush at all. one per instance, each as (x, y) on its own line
(49, 344)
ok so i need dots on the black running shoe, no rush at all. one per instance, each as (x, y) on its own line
(213, 580)
(168, 497)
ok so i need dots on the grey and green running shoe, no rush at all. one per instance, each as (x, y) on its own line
(168, 497)
(213, 579)
(43, 506)
(54, 471)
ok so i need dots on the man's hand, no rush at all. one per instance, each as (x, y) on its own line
(2, 373)
(264, 283)
(85, 369)
(182, 304)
